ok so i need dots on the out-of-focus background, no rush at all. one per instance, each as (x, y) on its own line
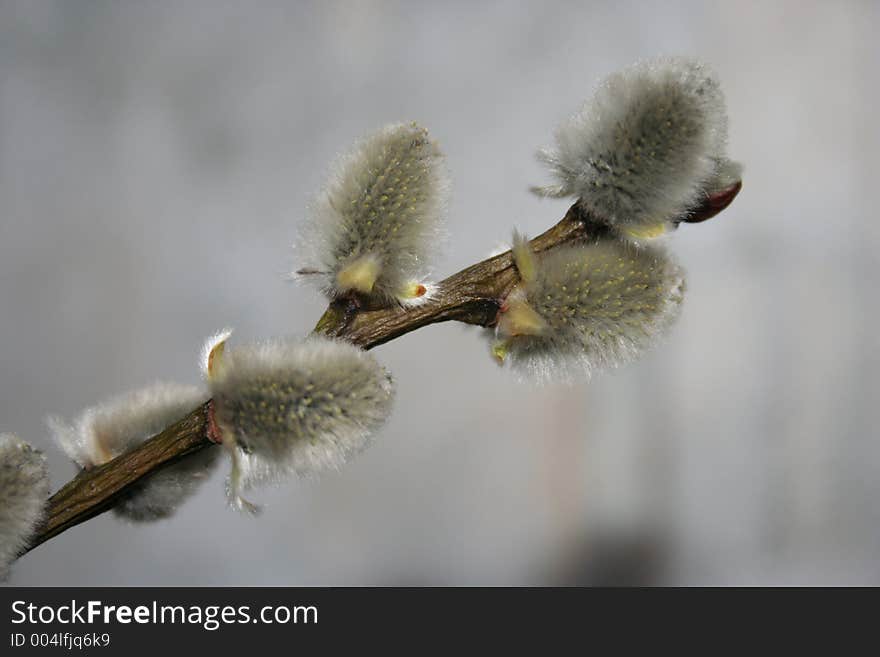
(156, 158)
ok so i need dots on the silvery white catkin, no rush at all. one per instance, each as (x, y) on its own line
(640, 153)
(296, 406)
(24, 489)
(582, 307)
(103, 432)
(377, 222)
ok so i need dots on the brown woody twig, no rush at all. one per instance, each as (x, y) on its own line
(471, 296)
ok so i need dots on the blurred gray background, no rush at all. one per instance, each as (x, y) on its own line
(155, 159)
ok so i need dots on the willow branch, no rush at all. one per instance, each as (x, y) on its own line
(98, 489)
(471, 296)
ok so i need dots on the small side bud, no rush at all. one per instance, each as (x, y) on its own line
(588, 306)
(375, 226)
(360, 275)
(212, 353)
(500, 349)
(640, 153)
(103, 432)
(646, 231)
(299, 407)
(415, 293)
(523, 257)
(24, 489)
(518, 318)
(413, 290)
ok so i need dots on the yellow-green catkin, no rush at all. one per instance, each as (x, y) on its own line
(586, 306)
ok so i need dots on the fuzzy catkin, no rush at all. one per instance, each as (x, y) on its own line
(588, 306)
(107, 430)
(378, 221)
(297, 406)
(639, 154)
(24, 489)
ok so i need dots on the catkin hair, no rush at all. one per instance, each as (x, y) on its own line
(24, 489)
(641, 150)
(375, 226)
(590, 306)
(104, 431)
(297, 406)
